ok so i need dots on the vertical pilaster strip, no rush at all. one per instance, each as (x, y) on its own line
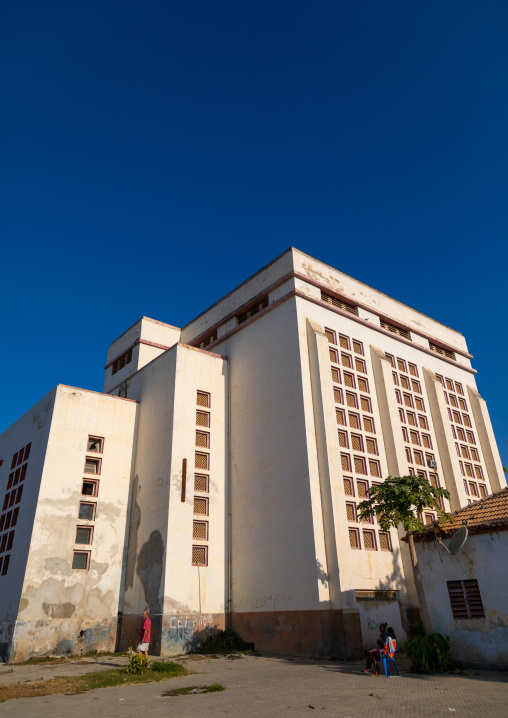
(487, 440)
(453, 480)
(388, 410)
(330, 474)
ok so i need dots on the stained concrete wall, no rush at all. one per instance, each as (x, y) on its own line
(64, 610)
(34, 427)
(478, 642)
(185, 601)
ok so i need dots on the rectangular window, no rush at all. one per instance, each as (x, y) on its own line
(440, 350)
(473, 488)
(95, 443)
(404, 382)
(338, 303)
(330, 335)
(395, 378)
(23, 472)
(86, 511)
(203, 439)
(200, 506)
(423, 422)
(351, 512)
(479, 473)
(9, 483)
(384, 541)
(415, 439)
(121, 361)
(369, 540)
(27, 451)
(349, 380)
(340, 416)
(483, 491)
(207, 340)
(200, 556)
(354, 538)
(2, 521)
(348, 487)
(5, 565)
(343, 439)
(3, 542)
(337, 395)
(345, 462)
(351, 400)
(398, 396)
(411, 418)
(374, 468)
(92, 466)
(419, 404)
(354, 421)
(80, 560)
(395, 330)
(344, 342)
(408, 400)
(412, 369)
(346, 360)
(357, 347)
(200, 530)
(368, 425)
(20, 457)
(84, 534)
(363, 384)
(203, 399)
(252, 311)
(366, 405)
(360, 465)
(335, 375)
(334, 356)
(418, 458)
(416, 386)
(202, 418)
(200, 483)
(90, 488)
(10, 541)
(401, 416)
(371, 446)
(202, 461)
(14, 460)
(356, 442)
(465, 599)
(360, 366)
(363, 489)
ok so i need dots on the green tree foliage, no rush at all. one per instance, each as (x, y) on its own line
(399, 500)
(428, 653)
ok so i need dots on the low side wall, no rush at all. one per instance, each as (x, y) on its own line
(318, 634)
(62, 637)
(171, 634)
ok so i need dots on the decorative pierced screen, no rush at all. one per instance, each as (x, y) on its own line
(351, 399)
(374, 468)
(335, 375)
(360, 365)
(368, 540)
(350, 511)
(365, 403)
(426, 441)
(330, 336)
(342, 439)
(354, 422)
(348, 488)
(371, 446)
(362, 384)
(357, 347)
(203, 399)
(343, 341)
(341, 418)
(199, 557)
(337, 303)
(440, 350)
(407, 400)
(201, 439)
(200, 483)
(201, 461)
(362, 488)
(253, 310)
(353, 538)
(202, 418)
(200, 530)
(207, 340)
(348, 379)
(344, 460)
(333, 355)
(359, 465)
(337, 395)
(376, 595)
(384, 541)
(356, 442)
(200, 506)
(346, 361)
(395, 330)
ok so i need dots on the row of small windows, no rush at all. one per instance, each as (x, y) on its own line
(87, 510)
(201, 504)
(11, 505)
(121, 361)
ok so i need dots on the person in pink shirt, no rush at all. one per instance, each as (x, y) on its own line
(144, 634)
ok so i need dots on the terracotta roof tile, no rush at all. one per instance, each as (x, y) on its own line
(490, 512)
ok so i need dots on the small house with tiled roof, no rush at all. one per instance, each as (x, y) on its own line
(466, 590)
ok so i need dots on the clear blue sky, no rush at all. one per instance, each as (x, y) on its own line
(155, 154)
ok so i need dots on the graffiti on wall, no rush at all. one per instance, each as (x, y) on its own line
(277, 601)
(190, 623)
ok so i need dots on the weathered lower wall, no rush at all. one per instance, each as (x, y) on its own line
(61, 637)
(318, 634)
(6, 631)
(171, 634)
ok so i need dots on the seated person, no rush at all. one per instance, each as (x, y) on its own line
(374, 655)
(388, 649)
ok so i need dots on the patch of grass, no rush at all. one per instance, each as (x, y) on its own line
(227, 641)
(214, 688)
(90, 681)
(73, 657)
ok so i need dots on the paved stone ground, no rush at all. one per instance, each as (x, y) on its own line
(268, 686)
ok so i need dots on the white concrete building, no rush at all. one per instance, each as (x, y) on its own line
(215, 482)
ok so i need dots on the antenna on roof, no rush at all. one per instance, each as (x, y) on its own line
(458, 540)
